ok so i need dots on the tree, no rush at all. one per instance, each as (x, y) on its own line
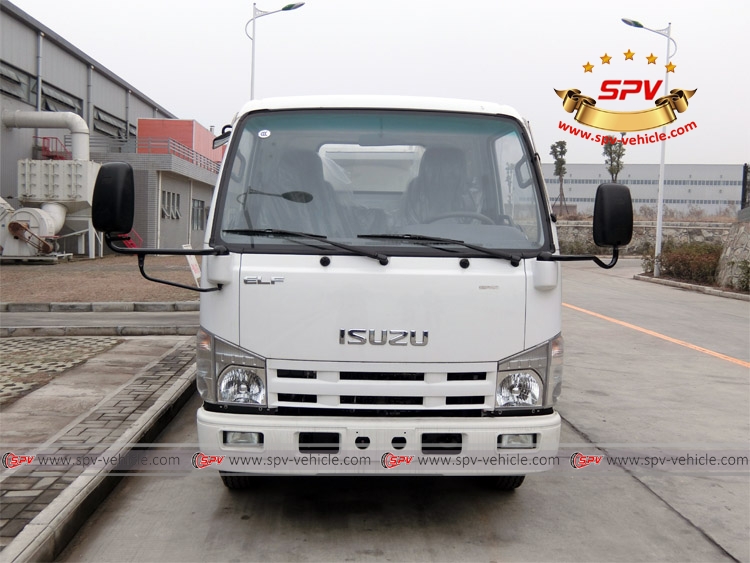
(613, 153)
(558, 151)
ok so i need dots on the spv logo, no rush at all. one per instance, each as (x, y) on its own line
(613, 92)
(617, 90)
(201, 461)
(579, 461)
(11, 460)
(389, 460)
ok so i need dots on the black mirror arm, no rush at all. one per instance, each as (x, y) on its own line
(143, 252)
(549, 257)
(141, 263)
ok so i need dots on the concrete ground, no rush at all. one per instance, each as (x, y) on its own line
(648, 368)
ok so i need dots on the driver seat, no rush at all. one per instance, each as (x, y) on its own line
(301, 170)
(439, 188)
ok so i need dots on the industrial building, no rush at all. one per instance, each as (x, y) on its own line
(713, 189)
(62, 114)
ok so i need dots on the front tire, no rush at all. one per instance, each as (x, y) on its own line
(235, 481)
(506, 482)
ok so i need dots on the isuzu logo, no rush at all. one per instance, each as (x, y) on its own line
(360, 336)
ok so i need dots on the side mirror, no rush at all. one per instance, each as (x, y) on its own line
(613, 215)
(113, 202)
(523, 173)
(112, 209)
(222, 139)
(613, 225)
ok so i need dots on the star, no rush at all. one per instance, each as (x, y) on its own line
(588, 67)
(670, 67)
(652, 59)
(605, 59)
(629, 55)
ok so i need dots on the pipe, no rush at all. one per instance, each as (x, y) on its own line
(39, 80)
(89, 97)
(127, 115)
(57, 211)
(53, 120)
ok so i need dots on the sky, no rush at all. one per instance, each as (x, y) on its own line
(194, 58)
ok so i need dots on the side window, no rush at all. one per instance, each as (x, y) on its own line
(518, 197)
(170, 205)
(234, 216)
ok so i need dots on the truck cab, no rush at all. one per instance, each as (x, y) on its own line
(382, 292)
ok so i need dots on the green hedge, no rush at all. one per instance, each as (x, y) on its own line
(696, 262)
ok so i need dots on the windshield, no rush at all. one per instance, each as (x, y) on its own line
(407, 182)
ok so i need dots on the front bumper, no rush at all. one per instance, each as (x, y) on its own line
(280, 454)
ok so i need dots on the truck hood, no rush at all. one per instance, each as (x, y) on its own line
(411, 310)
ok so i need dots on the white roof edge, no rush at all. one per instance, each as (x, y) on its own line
(381, 102)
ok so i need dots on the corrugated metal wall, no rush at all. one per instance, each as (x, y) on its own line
(66, 70)
(109, 105)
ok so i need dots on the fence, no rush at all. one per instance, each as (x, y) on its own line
(150, 146)
(170, 146)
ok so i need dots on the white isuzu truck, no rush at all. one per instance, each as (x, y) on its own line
(381, 290)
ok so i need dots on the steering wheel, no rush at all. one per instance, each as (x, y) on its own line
(468, 214)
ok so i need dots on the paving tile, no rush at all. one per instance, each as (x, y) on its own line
(44, 483)
(13, 528)
(27, 363)
(27, 494)
(8, 485)
(24, 495)
(10, 510)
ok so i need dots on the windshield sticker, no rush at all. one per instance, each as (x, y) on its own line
(264, 134)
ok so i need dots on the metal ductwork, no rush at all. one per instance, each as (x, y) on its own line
(62, 189)
(79, 131)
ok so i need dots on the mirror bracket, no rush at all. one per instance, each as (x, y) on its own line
(549, 257)
(141, 253)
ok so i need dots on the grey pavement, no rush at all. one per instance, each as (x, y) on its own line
(625, 392)
(100, 319)
(125, 392)
(101, 307)
(108, 391)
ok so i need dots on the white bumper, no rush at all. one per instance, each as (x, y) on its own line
(280, 454)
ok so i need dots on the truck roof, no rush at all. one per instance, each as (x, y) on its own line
(381, 102)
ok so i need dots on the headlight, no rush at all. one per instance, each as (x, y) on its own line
(241, 385)
(532, 378)
(228, 374)
(520, 389)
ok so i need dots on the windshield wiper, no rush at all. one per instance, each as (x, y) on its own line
(515, 259)
(382, 258)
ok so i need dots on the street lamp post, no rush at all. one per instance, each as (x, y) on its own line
(259, 14)
(666, 32)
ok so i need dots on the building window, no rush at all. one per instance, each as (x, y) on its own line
(109, 124)
(170, 205)
(14, 82)
(198, 216)
(54, 99)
